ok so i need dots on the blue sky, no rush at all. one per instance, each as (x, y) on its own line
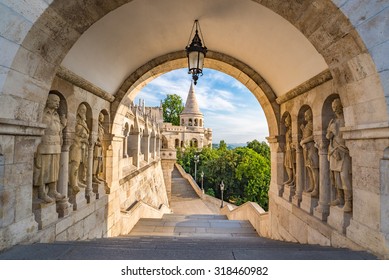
(229, 108)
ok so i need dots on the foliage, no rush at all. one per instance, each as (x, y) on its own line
(253, 172)
(172, 107)
(210, 192)
(185, 158)
(222, 145)
(261, 148)
(245, 171)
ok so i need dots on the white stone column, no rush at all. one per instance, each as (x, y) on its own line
(322, 210)
(146, 147)
(277, 165)
(89, 195)
(158, 146)
(134, 147)
(299, 180)
(108, 162)
(64, 208)
(125, 146)
(153, 147)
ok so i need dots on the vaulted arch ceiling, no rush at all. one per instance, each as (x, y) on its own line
(139, 31)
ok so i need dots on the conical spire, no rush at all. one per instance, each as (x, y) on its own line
(191, 106)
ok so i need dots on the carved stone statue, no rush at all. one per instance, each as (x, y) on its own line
(78, 153)
(47, 157)
(290, 159)
(339, 158)
(311, 158)
(98, 152)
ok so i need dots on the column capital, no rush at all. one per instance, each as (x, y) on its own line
(275, 139)
(67, 141)
(321, 144)
(276, 142)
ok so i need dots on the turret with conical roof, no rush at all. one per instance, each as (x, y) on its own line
(191, 115)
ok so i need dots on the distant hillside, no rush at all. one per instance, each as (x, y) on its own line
(230, 146)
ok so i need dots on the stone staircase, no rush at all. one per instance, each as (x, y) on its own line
(181, 189)
(199, 226)
(185, 201)
(192, 217)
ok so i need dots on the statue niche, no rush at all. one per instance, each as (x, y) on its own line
(98, 159)
(311, 157)
(340, 160)
(78, 153)
(289, 156)
(47, 157)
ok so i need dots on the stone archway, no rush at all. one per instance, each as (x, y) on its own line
(349, 37)
(240, 71)
(50, 31)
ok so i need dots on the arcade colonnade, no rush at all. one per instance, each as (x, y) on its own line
(350, 36)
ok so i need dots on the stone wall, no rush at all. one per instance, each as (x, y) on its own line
(96, 210)
(296, 213)
(146, 185)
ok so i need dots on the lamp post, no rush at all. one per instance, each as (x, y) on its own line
(195, 51)
(222, 190)
(196, 160)
(202, 181)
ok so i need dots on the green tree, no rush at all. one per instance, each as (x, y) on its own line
(210, 192)
(245, 171)
(222, 145)
(261, 148)
(172, 107)
(185, 159)
(253, 175)
(221, 168)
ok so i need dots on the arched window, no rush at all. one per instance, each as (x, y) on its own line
(194, 143)
(164, 142)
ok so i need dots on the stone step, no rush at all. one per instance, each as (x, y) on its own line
(182, 248)
(194, 217)
(210, 226)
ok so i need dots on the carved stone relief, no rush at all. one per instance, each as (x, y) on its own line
(98, 157)
(339, 158)
(78, 154)
(311, 158)
(47, 157)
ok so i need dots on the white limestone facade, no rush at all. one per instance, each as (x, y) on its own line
(191, 132)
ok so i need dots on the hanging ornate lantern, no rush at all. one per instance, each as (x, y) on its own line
(196, 52)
